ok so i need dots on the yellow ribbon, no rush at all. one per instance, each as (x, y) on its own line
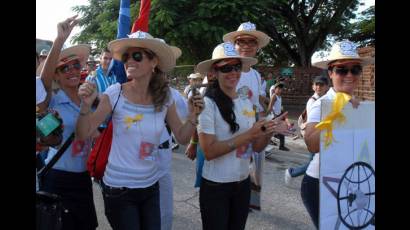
(335, 115)
(130, 120)
(248, 113)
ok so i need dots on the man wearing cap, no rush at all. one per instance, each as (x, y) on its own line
(320, 86)
(102, 78)
(248, 41)
(194, 79)
(344, 67)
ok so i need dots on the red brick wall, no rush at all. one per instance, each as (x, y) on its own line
(366, 88)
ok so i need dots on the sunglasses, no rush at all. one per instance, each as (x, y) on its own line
(343, 71)
(243, 42)
(229, 68)
(138, 56)
(68, 68)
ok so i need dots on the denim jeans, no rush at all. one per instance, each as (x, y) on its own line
(224, 206)
(135, 209)
(299, 171)
(310, 196)
(200, 158)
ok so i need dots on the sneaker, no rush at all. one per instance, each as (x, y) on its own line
(283, 148)
(288, 178)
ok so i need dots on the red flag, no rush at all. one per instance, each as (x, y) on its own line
(141, 23)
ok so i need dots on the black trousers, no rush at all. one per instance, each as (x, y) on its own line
(281, 139)
(310, 196)
(132, 208)
(76, 192)
(224, 205)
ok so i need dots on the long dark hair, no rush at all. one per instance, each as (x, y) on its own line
(224, 104)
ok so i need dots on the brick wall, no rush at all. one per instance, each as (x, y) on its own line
(366, 88)
(298, 87)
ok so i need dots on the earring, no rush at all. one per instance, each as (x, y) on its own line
(153, 69)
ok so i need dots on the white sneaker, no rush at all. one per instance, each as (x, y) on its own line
(288, 179)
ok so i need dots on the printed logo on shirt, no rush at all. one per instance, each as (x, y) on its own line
(248, 113)
(245, 92)
(147, 151)
(77, 147)
(244, 151)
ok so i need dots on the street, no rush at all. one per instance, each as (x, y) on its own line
(282, 207)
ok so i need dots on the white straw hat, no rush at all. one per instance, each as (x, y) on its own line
(343, 50)
(248, 28)
(165, 53)
(195, 76)
(224, 51)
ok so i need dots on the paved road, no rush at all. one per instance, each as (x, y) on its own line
(282, 207)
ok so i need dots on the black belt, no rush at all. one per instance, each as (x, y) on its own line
(164, 145)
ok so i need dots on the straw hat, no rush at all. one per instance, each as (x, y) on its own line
(248, 28)
(224, 51)
(195, 76)
(80, 52)
(165, 53)
(343, 50)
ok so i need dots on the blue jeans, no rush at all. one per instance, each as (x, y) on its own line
(200, 158)
(136, 208)
(299, 171)
(310, 196)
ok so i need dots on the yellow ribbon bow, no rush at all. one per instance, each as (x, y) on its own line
(248, 113)
(336, 115)
(130, 120)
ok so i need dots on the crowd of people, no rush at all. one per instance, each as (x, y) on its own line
(227, 116)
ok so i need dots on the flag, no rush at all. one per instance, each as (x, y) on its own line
(141, 23)
(124, 24)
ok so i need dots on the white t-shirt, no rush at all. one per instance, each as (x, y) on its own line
(165, 155)
(228, 167)
(263, 88)
(277, 106)
(134, 157)
(40, 91)
(311, 101)
(250, 82)
(314, 116)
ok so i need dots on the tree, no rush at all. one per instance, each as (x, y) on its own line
(300, 27)
(363, 31)
(297, 27)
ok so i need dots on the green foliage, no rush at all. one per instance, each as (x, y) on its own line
(298, 28)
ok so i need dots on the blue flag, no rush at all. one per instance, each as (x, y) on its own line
(124, 25)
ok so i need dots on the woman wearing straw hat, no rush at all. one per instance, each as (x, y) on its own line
(248, 41)
(69, 177)
(130, 182)
(228, 134)
(344, 68)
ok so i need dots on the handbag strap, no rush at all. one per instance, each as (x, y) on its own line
(115, 105)
(56, 157)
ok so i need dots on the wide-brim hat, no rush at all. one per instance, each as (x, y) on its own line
(248, 28)
(224, 51)
(177, 51)
(195, 76)
(164, 52)
(344, 50)
(79, 52)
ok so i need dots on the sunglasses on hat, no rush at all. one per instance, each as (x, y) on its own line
(68, 68)
(343, 70)
(229, 68)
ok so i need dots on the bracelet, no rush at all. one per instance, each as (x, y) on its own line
(194, 142)
(232, 145)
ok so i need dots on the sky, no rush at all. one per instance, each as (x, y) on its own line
(50, 12)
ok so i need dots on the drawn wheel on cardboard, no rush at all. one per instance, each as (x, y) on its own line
(354, 196)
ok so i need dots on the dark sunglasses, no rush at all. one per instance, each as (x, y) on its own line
(229, 68)
(137, 56)
(343, 71)
(243, 42)
(67, 68)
